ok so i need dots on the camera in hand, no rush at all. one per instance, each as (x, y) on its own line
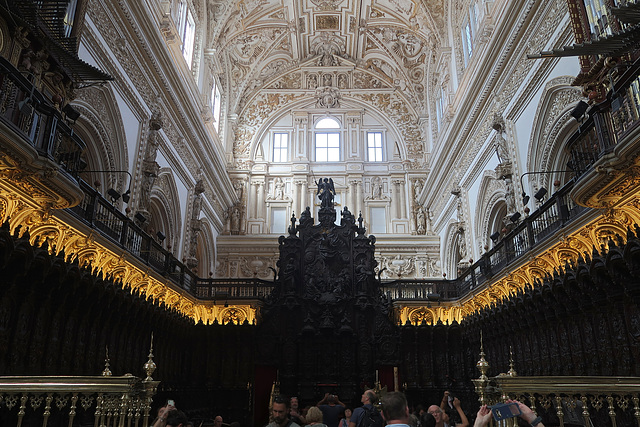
(502, 411)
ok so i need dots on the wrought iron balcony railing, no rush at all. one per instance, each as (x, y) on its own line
(531, 232)
(99, 213)
(33, 117)
(236, 289)
(608, 124)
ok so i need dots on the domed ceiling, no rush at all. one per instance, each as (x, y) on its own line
(272, 53)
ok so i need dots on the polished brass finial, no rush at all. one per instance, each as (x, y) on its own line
(150, 366)
(107, 371)
(482, 365)
(512, 372)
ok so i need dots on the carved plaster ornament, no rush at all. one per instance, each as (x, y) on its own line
(327, 97)
(327, 4)
(328, 47)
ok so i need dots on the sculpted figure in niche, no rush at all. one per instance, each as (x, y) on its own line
(235, 220)
(312, 81)
(421, 221)
(278, 189)
(502, 146)
(417, 188)
(342, 81)
(327, 80)
(376, 187)
(153, 140)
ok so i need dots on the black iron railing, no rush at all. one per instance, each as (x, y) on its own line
(236, 289)
(555, 214)
(531, 232)
(608, 123)
(99, 213)
(33, 117)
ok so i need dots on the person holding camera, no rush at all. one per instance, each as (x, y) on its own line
(484, 415)
(441, 416)
(161, 420)
(332, 409)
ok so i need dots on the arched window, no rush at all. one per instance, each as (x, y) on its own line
(327, 142)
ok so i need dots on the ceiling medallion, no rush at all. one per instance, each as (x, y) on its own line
(327, 4)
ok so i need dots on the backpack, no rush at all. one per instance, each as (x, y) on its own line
(371, 418)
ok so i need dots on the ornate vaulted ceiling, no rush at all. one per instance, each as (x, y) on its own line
(277, 52)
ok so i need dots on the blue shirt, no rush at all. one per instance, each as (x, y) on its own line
(358, 413)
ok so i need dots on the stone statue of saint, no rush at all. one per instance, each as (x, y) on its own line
(376, 187)
(278, 189)
(421, 221)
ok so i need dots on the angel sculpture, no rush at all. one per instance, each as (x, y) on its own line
(326, 191)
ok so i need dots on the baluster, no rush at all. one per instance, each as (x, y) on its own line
(612, 411)
(124, 402)
(23, 407)
(532, 404)
(47, 409)
(72, 409)
(137, 413)
(559, 411)
(147, 409)
(585, 410)
(98, 415)
(130, 411)
(111, 410)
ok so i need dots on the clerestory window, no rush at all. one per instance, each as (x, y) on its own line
(280, 147)
(186, 30)
(327, 143)
(374, 146)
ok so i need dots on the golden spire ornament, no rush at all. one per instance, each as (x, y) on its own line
(150, 366)
(482, 365)
(512, 372)
(107, 371)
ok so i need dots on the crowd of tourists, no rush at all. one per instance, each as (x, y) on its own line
(392, 411)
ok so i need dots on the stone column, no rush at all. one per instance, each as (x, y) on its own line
(397, 199)
(260, 212)
(352, 197)
(301, 196)
(403, 199)
(359, 197)
(253, 196)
